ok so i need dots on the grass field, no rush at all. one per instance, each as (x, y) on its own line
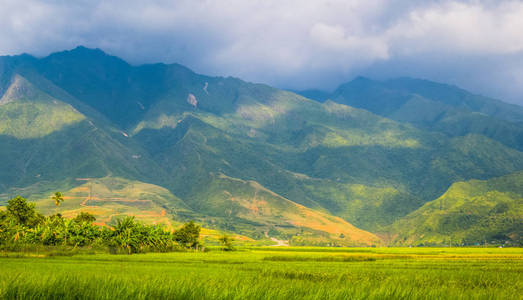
(269, 273)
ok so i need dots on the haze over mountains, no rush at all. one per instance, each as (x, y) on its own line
(365, 165)
(432, 106)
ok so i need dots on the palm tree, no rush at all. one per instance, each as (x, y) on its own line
(58, 199)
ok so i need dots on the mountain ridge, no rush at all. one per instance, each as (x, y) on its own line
(436, 107)
(168, 126)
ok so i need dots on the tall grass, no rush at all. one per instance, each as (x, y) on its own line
(492, 274)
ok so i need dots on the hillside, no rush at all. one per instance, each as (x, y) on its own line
(434, 106)
(30, 113)
(46, 139)
(470, 212)
(232, 155)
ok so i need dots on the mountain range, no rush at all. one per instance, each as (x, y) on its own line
(403, 161)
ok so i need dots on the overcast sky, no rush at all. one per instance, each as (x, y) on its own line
(294, 44)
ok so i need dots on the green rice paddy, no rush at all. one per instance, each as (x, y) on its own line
(268, 273)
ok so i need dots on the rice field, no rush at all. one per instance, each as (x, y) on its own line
(268, 273)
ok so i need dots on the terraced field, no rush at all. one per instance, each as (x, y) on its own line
(269, 273)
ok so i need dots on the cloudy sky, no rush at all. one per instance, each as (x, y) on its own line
(294, 44)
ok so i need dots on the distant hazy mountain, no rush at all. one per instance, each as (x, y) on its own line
(434, 106)
(238, 156)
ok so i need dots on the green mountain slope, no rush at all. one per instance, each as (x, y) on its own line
(27, 112)
(436, 107)
(239, 203)
(471, 212)
(235, 155)
(457, 97)
(110, 160)
(111, 86)
(349, 162)
(45, 139)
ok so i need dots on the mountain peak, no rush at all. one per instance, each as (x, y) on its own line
(86, 50)
(18, 89)
(86, 56)
(80, 51)
(357, 83)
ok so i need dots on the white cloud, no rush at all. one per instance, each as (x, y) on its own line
(289, 43)
(461, 27)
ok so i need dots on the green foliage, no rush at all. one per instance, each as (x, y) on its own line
(84, 217)
(226, 243)
(21, 225)
(22, 212)
(188, 235)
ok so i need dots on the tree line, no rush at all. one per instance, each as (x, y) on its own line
(21, 224)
